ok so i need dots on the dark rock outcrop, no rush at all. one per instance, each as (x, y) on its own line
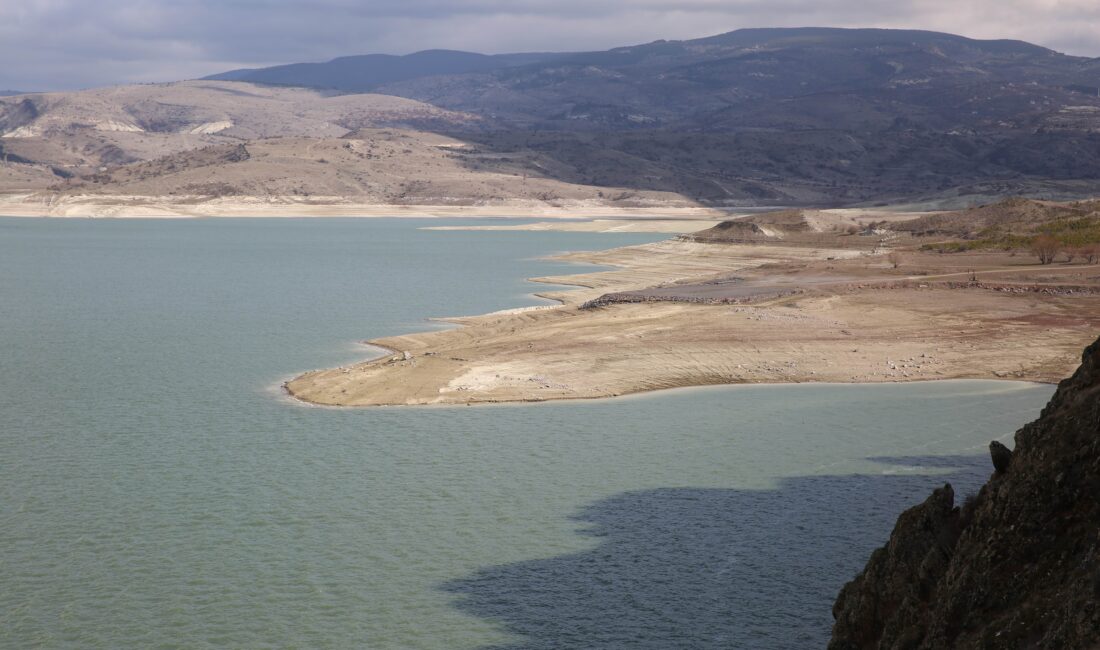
(1000, 455)
(1017, 566)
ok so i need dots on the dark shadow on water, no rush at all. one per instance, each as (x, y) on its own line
(938, 462)
(710, 568)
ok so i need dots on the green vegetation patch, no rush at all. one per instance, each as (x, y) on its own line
(1073, 232)
(1067, 232)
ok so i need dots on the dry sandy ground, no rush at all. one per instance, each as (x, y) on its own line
(566, 352)
(821, 220)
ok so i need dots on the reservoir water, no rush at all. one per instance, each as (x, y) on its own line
(156, 489)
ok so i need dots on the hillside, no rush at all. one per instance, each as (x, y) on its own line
(805, 78)
(1015, 216)
(356, 74)
(237, 110)
(1016, 566)
(782, 117)
(51, 137)
(1045, 228)
(796, 116)
(370, 166)
(780, 78)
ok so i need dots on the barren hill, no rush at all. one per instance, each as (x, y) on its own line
(792, 116)
(202, 140)
(239, 110)
(779, 117)
(370, 166)
(139, 122)
(57, 141)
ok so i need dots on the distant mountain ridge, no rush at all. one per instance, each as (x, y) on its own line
(772, 78)
(790, 117)
(365, 72)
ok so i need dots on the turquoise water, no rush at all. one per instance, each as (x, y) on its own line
(156, 490)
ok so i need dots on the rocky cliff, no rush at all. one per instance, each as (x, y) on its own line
(1016, 566)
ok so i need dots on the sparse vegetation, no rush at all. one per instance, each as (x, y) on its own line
(1074, 232)
(1046, 248)
(1045, 230)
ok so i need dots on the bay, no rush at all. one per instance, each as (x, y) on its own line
(157, 489)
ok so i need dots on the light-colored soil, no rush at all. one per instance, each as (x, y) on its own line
(131, 206)
(826, 334)
(233, 111)
(675, 226)
(371, 172)
(212, 148)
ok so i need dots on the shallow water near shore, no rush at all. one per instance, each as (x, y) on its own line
(155, 490)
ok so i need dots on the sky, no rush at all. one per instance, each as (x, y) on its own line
(69, 44)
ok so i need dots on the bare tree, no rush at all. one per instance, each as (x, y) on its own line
(894, 258)
(1046, 248)
(1090, 252)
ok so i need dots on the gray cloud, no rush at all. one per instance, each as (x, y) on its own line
(61, 44)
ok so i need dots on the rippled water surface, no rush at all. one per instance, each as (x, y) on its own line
(157, 491)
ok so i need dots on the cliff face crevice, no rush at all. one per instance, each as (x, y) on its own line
(1016, 566)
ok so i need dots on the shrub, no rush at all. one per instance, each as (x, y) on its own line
(1046, 248)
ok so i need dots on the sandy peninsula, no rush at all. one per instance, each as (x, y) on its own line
(683, 313)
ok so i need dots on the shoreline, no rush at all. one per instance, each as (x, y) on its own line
(286, 393)
(838, 336)
(1009, 383)
(29, 205)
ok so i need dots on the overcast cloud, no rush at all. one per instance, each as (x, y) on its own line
(63, 44)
